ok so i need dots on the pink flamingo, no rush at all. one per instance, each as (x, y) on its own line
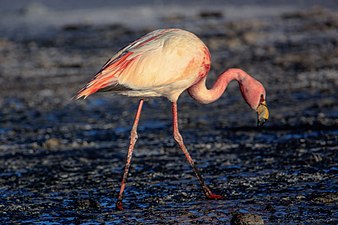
(165, 63)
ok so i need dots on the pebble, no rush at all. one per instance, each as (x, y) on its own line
(246, 219)
(52, 143)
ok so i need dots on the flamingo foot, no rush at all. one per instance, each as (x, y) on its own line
(119, 205)
(214, 196)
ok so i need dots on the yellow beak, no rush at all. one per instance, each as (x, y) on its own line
(262, 113)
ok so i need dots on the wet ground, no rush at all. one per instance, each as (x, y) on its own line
(61, 160)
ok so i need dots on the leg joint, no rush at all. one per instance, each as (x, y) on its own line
(133, 135)
(178, 137)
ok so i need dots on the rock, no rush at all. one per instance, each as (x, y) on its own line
(310, 13)
(52, 143)
(246, 219)
(87, 204)
(324, 198)
(75, 27)
(211, 14)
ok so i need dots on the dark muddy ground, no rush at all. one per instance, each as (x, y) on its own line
(61, 161)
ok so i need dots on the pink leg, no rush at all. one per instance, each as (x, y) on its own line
(133, 139)
(178, 138)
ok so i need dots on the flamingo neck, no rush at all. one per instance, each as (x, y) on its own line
(202, 94)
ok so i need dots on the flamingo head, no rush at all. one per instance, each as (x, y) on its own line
(254, 94)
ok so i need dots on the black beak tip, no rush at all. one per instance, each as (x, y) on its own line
(261, 122)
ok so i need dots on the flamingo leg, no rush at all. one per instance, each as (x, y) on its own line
(178, 138)
(133, 139)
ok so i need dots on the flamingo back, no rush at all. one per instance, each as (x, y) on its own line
(164, 62)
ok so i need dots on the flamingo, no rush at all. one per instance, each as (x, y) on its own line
(166, 62)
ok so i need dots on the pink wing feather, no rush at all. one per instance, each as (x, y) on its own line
(106, 78)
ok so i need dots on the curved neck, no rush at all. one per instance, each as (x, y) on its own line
(202, 94)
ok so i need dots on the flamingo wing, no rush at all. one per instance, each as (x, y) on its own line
(150, 66)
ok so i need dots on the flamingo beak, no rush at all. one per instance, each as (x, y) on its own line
(262, 114)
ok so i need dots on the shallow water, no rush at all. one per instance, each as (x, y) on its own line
(61, 160)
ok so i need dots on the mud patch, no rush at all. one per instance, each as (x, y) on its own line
(61, 161)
